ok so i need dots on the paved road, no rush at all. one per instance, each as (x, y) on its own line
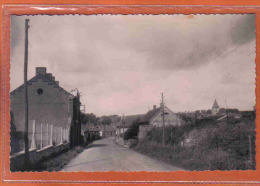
(106, 155)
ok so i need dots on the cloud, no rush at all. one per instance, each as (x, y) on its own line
(123, 63)
(168, 42)
(190, 43)
(243, 30)
(228, 79)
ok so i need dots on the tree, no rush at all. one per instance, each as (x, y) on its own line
(132, 132)
(93, 118)
(89, 118)
(106, 120)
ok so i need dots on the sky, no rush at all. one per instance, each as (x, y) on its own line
(122, 63)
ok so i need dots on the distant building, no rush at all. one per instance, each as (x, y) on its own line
(90, 132)
(125, 122)
(221, 112)
(154, 117)
(216, 113)
(107, 130)
(51, 108)
(215, 108)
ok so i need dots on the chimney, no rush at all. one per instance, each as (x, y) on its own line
(57, 82)
(49, 75)
(40, 70)
(154, 107)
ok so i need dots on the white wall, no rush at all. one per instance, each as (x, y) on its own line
(170, 119)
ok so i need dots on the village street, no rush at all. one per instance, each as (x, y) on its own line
(106, 155)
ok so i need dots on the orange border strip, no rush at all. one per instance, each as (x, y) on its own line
(178, 177)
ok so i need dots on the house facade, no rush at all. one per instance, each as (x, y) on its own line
(107, 130)
(54, 113)
(154, 117)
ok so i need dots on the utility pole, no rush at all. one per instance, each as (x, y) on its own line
(78, 118)
(26, 144)
(123, 123)
(163, 137)
(226, 109)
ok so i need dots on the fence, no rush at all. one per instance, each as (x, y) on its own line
(40, 136)
(44, 140)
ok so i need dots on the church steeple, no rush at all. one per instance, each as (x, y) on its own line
(215, 105)
(215, 108)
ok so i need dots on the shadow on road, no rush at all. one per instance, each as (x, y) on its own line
(96, 145)
(82, 163)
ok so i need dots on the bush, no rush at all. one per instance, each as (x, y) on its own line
(132, 132)
(132, 142)
(57, 161)
(222, 146)
(173, 135)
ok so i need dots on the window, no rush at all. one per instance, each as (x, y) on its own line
(40, 91)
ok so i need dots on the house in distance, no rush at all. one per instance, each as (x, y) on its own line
(154, 117)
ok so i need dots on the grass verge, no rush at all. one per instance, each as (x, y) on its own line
(56, 162)
(222, 146)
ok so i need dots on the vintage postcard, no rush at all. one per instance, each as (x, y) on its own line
(124, 91)
(171, 93)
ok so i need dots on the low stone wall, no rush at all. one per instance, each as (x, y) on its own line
(17, 160)
(143, 129)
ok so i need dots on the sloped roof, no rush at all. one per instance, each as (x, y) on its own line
(35, 79)
(107, 127)
(215, 105)
(149, 115)
(127, 121)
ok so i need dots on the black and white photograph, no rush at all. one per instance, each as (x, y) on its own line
(155, 93)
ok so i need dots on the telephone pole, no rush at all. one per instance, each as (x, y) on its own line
(26, 144)
(163, 137)
(123, 123)
(226, 109)
(78, 118)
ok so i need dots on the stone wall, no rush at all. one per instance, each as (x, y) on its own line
(17, 160)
